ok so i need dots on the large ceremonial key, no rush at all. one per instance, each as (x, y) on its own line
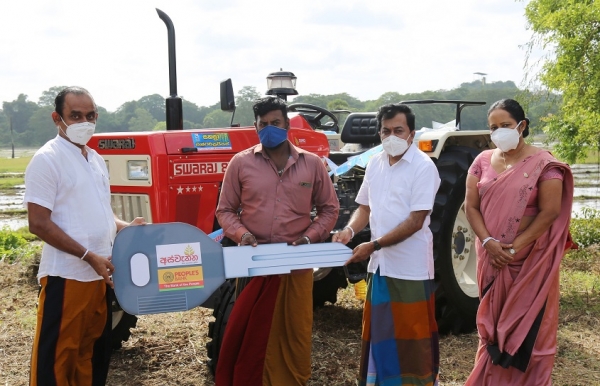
(175, 266)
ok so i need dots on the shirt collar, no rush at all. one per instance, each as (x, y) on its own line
(69, 145)
(294, 151)
(410, 153)
(408, 156)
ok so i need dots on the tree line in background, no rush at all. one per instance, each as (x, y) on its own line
(32, 126)
(569, 31)
(567, 105)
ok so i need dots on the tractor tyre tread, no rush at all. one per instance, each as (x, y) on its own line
(455, 311)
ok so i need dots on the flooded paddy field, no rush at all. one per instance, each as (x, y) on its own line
(587, 187)
(586, 176)
(12, 213)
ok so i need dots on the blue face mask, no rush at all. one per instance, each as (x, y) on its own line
(272, 136)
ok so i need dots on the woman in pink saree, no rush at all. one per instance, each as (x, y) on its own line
(518, 202)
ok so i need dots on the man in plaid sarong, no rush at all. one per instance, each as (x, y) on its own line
(396, 199)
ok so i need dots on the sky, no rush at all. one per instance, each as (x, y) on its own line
(117, 49)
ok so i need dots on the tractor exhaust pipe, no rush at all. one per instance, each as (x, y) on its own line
(174, 107)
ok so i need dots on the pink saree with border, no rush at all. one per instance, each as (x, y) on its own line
(517, 319)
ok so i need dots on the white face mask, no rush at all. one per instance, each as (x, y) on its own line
(505, 138)
(394, 146)
(79, 133)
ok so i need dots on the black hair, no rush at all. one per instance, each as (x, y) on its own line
(265, 105)
(59, 101)
(389, 111)
(515, 110)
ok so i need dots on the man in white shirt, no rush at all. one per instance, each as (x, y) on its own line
(396, 199)
(67, 195)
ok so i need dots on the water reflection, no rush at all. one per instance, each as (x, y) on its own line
(13, 223)
(12, 200)
(587, 189)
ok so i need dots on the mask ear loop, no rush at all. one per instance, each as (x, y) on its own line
(517, 128)
(60, 128)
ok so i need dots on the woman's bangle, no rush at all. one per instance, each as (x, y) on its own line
(244, 235)
(486, 240)
(85, 254)
(351, 230)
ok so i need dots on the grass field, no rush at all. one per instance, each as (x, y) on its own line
(169, 349)
(14, 165)
(12, 172)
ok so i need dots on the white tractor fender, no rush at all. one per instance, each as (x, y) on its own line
(438, 140)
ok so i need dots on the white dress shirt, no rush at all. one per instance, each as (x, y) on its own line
(78, 194)
(392, 192)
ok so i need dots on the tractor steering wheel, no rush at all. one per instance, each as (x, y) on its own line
(314, 114)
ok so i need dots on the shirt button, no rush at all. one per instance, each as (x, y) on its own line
(280, 180)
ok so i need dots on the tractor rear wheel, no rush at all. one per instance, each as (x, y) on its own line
(122, 323)
(216, 330)
(326, 282)
(454, 245)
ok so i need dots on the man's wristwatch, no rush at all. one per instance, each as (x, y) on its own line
(376, 245)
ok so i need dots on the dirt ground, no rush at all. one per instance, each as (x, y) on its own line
(169, 349)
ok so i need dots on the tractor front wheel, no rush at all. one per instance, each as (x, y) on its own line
(454, 245)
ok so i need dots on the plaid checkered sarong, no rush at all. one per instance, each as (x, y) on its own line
(400, 344)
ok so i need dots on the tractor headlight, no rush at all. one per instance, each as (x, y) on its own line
(137, 170)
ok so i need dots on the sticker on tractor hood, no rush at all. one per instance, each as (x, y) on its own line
(199, 168)
(116, 143)
(211, 141)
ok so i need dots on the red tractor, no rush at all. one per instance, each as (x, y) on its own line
(176, 175)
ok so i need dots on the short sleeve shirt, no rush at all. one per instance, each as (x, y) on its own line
(77, 191)
(392, 192)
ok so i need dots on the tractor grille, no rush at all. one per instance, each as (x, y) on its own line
(129, 206)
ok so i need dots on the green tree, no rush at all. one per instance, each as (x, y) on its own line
(384, 99)
(338, 104)
(217, 118)
(570, 30)
(48, 96)
(142, 120)
(160, 126)
(124, 114)
(18, 112)
(5, 139)
(40, 127)
(155, 105)
(187, 125)
(16, 121)
(244, 115)
(312, 99)
(108, 122)
(195, 114)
